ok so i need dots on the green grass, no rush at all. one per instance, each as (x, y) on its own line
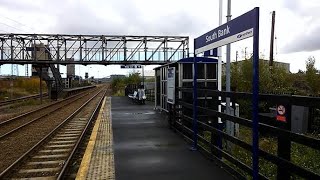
(301, 155)
(119, 93)
(20, 87)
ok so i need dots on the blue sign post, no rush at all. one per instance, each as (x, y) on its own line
(195, 103)
(255, 99)
(242, 27)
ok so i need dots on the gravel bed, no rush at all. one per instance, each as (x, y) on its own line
(25, 119)
(85, 113)
(10, 112)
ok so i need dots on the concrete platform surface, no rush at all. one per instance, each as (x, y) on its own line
(145, 148)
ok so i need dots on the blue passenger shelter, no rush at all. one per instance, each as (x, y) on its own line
(184, 70)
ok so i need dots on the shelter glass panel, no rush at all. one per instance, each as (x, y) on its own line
(187, 70)
(201, 74)
(211, 71)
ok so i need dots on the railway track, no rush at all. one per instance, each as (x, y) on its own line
(14, 124)
(50, 157)
(21, 136)
(41, 109)
(13, 101)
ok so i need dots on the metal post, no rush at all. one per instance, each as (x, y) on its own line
(161, 74)
(142, 75)
(80, 49)
(284, 144)
(24, 47)
(182, 50)
(85, 49)
(11, 82)
(2, 49)
(255, 99)
(219, 77)
(229, 124)
(41, 85)
(145, 49)
(236, 74)
(79, 75)
(124, 49)
(187, 49)
(164, 51)
(155, 89)
(272, 40)
(195, 103)
(58, 54)
(102, 45)
(11, 48)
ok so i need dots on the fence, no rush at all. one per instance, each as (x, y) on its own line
(282, 153)
(150, 94)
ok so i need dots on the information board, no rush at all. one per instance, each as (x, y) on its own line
(131, 66)
(171, 82)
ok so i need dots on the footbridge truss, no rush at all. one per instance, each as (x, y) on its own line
(91, 49)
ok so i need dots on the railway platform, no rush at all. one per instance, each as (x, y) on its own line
(131, 141)
(71, 91)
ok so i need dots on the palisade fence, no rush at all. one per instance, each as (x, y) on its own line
(150, 94)
(283, 154)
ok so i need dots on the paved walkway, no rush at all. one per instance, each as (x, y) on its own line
(145, 148)
(98, 160)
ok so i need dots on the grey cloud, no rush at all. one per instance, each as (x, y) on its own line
(293, 5)
(86, 22)
(306, 42)
(297, 7)
(76, 17)
(18, 5)
(309, 39)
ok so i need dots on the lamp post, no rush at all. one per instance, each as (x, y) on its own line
(79, 75)
(143, 76)
(89, 73)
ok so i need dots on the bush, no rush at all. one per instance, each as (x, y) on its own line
(20, 87)
(118, 84)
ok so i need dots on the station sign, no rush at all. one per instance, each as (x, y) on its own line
(131, 66)
(171, 85)
(242, 27)
(235, 30)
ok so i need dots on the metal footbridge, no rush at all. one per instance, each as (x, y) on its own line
(91, 49)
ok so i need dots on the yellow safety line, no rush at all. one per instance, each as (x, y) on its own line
(110, 157)
(84, 166)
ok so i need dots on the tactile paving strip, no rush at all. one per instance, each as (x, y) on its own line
(101, 163)
(102, 160)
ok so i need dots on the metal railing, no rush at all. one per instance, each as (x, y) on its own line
(150, 94)
(91, 49)
(282, 153)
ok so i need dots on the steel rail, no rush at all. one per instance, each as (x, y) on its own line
(12, 101)
(41, 108)
(43, 140)
(92, 118)
(40, 117)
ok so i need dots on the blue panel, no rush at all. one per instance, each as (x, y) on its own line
(211, 53)
(198, 59)
(255, 99)
(195, 106)
(237, 25)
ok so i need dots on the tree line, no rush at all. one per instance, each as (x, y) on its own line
(276, 80)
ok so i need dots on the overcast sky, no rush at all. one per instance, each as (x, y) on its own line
(297, 23)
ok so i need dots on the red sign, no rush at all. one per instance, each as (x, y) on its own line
(281, 113)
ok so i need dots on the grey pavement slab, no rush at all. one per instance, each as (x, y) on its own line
(146, 149)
